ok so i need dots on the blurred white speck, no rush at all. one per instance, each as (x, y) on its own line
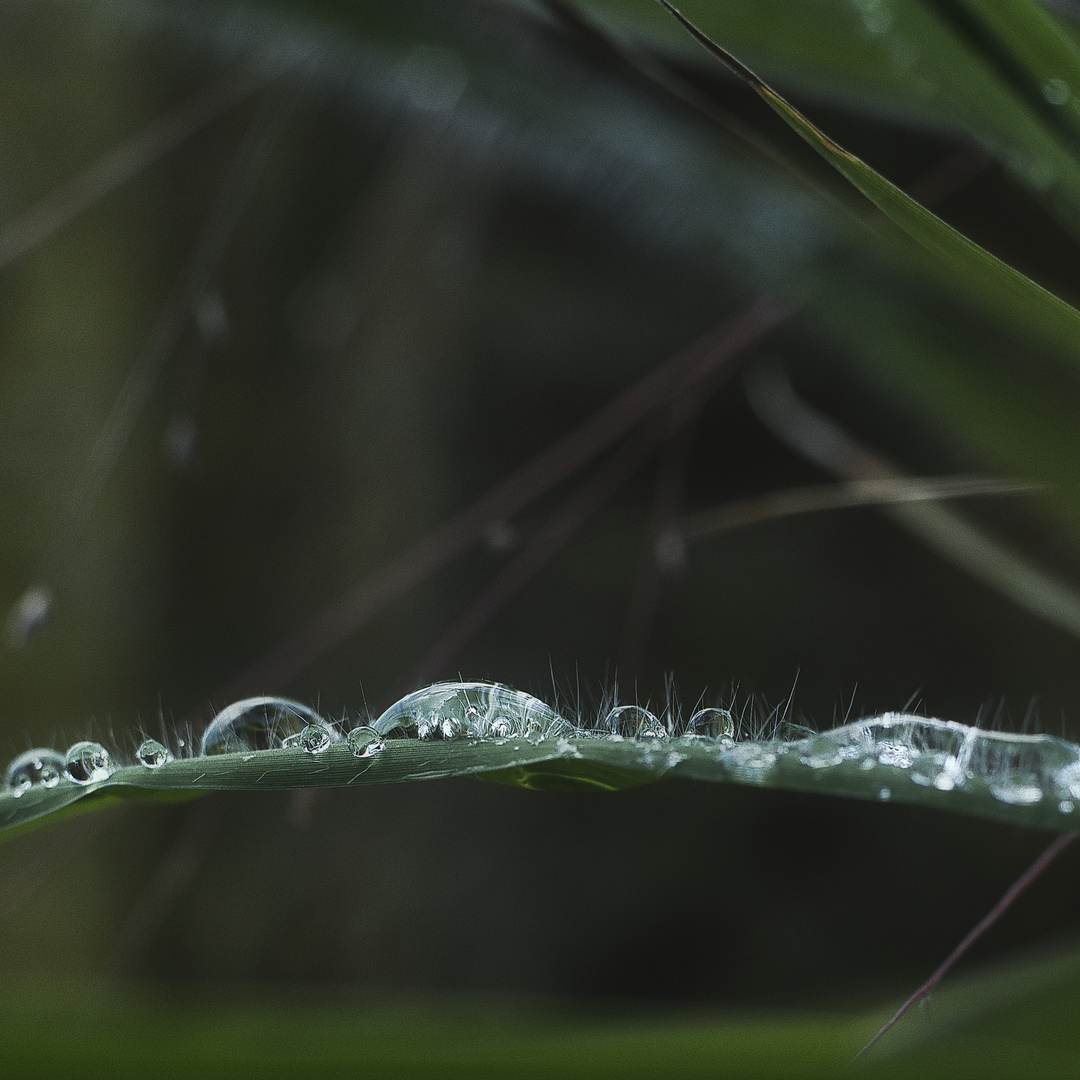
(28, 614)
(433, 78)
(670, 551)
(180, 439)
(500, 536)
(1056, 91)
(212, 318)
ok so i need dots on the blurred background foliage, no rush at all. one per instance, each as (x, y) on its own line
(401, 249)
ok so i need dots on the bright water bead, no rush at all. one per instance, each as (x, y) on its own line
(152, 754)
(42, 766)
(471, 710)
(1015, 769)
(266, 723)
(365, 742)
(633, 722)
(88, 763)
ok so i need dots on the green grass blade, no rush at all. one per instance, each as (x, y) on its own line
(500, 734)
(991, 283)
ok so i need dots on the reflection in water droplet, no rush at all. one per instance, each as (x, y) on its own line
(469, 710)
(88, 763)
(821, 752)
(365, 742)
(314, 739)
(749, 760)
(1056, 91)
(935, 769)
(153, 754)
(259, 723)
(1020, 790)
(634, 722)
(711, 724)
(42, 766)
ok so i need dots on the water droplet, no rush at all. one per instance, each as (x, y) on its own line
(469, 710)
(1056, 91)
(634, 722)
(259, 723)
(314, 739)
(710, 724)
(820, 752)
(895, 755)
(935, 769)
(365, 742)
(42, 766)
(153, 754)
(749, 760)
(1066, 806)
(1067, 781)
(884, 794)
(1022, 790)
(88, 763)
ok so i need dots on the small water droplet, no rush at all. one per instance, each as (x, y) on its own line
(1067, 780)
(259, 723)
(820, 752)
(749, 760)
(710, 724)
(314, 739)
(1022, 790)
(42, 766)
(895, 754)
(153, 754)
(884, 794)
(88, 763)
(634, 722)
(365, 742)
(935, 769)
(1066, 806)
(1056, 91)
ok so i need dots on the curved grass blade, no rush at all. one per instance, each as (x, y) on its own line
(991, 284)
(497, 733)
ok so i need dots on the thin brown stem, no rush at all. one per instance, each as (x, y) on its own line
(1014, 890)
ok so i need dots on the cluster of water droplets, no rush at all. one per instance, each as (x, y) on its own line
(1019, 770)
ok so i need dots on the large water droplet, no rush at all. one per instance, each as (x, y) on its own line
(710, 724)
(42, 766)
(634, 722)
(314, 739)
(365, 742)
(88, 763)
(259, 723)
(153, 754)
(469, 710)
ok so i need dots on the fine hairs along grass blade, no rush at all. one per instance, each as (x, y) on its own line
(497, 733)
